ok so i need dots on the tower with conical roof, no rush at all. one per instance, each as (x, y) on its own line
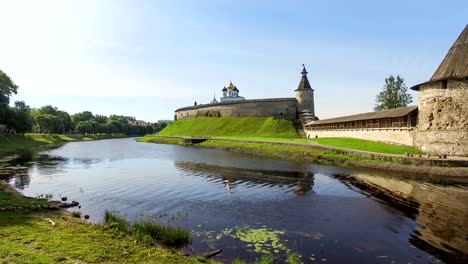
(305, 97)
(443, 104)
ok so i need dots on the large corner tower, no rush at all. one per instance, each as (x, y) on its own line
(305, 98)
(443, 104)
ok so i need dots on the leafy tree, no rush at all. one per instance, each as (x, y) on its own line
(7, 88)
(395, 94)
(84, 127)
(20, 119)
(47, 123)
(101, 119)
(48, 109)
(68, 125)
(83, 116)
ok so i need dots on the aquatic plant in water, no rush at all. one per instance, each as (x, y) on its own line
(262, 240)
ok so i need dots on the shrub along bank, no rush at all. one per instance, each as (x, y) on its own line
(10, 143)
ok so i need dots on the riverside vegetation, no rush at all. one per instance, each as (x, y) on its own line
(268, 129)
(29, 235)
(277, 138)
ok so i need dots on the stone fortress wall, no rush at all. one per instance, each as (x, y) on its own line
(285, 108)
(443, 117)
(397, 136)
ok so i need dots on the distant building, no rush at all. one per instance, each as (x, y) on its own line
(297, 109)
(231, 93)
(134, 122)
(164, 121)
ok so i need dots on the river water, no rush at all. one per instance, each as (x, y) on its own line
(249, 206)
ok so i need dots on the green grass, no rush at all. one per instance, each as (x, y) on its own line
(116, 222)
(161, 140)
(367, 145)
(10, 143)
(32, 239)
(102, 136)
(76, 214)
(238, 261)
(289, 152)
(231, 127)
(9, 198)
(149, 232)
(27, 238)
(264, 260)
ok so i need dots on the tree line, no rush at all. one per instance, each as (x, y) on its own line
(20, 118)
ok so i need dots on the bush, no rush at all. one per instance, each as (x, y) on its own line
(148, 232)
(76, 214)
(116, 222)
(264, 260)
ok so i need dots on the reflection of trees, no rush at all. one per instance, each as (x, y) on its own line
(22, 180)
(302, 182)
(441, 213)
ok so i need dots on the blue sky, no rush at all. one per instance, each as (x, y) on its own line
(147, 58)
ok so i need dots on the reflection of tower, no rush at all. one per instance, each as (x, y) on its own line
(305, 183)
(441, 213)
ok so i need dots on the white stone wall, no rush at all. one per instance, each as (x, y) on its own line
(404, 136)
(278, 108)
(443, 118)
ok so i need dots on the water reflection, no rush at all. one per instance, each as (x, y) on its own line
(360, 216)
(300, 181)
(441, 212)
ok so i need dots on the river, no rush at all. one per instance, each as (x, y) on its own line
(249, 206)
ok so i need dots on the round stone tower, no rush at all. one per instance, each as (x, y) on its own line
(443, 104)
(305, 99)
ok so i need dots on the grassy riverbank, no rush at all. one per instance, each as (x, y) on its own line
(367, 145)
(28, 236)
(232, 127)
(10, 143)
(267, 129)
(310, 153)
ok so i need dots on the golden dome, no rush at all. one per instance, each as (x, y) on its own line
(230, 85)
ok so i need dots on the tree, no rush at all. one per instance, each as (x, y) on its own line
(67, 121)
(49, 123)
(20, 119)
(83, 116)
(84, 127)
(395, 94)
(7, 88)
(101, 119)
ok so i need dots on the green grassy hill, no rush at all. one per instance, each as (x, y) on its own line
(10, 143)
(231, 127)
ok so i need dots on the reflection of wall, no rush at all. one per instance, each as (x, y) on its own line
(303, 181)
(442, 214)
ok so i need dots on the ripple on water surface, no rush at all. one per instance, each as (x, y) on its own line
(248, 206)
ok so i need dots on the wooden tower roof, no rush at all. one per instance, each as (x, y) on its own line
(455, 63)
(304, 83)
